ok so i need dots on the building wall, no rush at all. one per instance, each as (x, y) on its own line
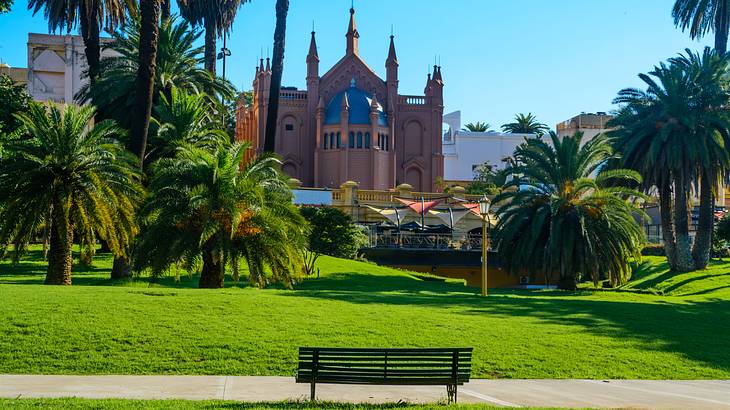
(465, 150)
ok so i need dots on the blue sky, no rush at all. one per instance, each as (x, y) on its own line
(553, 58)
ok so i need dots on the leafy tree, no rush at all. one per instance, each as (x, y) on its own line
(332, 233)
(477, 127)
(277, 71)
(183, 121)
(703, 16)
(15, 100)
(72, 176)
(487, 180)
(177, 61)
(5, 6)
(675, 133)
(526, 124)
(204, 205)
(558, 220)
(90, 15)
(216, 16)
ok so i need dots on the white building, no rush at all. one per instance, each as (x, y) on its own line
(464, 151)
(56, 66)
(591, 125)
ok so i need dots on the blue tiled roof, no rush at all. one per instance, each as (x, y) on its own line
(360, 102)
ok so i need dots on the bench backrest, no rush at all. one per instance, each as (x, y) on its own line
(428, 366)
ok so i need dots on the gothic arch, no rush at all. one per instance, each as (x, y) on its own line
(291, 133)
(413, 138)
(414, 177)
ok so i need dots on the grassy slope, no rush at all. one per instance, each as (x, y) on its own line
(173, 329)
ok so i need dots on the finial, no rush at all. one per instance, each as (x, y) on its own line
(312, 26)
(391, 31)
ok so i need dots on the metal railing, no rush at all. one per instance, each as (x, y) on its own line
(417, 240)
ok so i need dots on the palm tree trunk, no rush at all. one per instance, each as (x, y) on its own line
(665, 210)
(149, 36)
(684, 261)
(277, 70)
(89, 21)
(210, 45)
(703, 240)
(722, 27)
(122, 268)
(212, 275)
(60, 256)
(165, 9)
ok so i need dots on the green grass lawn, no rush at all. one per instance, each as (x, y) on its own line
(99, 327)
(82, 404)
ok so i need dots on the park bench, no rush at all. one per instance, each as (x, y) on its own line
(448, 367)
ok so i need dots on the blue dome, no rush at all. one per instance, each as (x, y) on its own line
(359, 102)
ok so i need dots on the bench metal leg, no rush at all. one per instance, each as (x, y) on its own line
(312, 396)
(451, 393)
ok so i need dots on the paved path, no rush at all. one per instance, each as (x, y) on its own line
(510, 393)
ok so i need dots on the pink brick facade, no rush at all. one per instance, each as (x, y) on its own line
(350, 125)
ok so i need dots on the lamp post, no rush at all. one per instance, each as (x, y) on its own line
(484, 204)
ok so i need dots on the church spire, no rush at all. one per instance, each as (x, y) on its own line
(353, 37)
(392, 57)
(313, 55)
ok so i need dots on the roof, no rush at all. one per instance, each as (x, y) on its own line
(359, 103)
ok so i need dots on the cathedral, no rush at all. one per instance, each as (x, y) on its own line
(350, 125)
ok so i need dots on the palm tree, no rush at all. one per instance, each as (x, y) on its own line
(182, 122)
(80, 176)
(204, 205)
(5, 6)
(216, 16)
(177, 62)
(90, 15)
(277, 71)
(525, 124)
(675, 133)
(164, 9)
(703, 16)
(555, 218)
(477, 127)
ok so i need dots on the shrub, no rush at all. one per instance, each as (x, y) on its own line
(333, 232)
(653, 249)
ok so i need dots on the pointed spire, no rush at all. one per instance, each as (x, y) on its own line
(374, 103)
(268, 64)
(320, 104)
(436, 74)
(261, 67)
(313, 56)
(352, 35)
(392, 57)
(345, 103)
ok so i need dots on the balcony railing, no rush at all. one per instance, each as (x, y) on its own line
(416, 240)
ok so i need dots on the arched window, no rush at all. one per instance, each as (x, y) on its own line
(387, 142)
(332, 140)
(339, 140)
(359, 139)
(367, 140)
(324, 141)
(351, 140)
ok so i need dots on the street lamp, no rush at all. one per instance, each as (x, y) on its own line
(484, 204)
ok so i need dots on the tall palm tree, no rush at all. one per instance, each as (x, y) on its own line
(165, 9)
(182, 122)
(5, 6)
(703, 16)
(277, 71)
(675, 133)
(477, 127)
(555, 219)
(177, 62)
(216, 16)
(525, 124)
(82, 174)
(204, 205)
(91, 16)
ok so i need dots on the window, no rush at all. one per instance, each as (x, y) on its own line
(339, 140)
(324, 141)
(332, 140)
(351, 140)
(367, 140)
(289, 127)
(387, 142)
(359, 139)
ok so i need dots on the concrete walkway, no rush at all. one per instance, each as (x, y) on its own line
(509, 393)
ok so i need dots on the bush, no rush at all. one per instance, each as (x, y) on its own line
(333, 232)
(653, 249)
